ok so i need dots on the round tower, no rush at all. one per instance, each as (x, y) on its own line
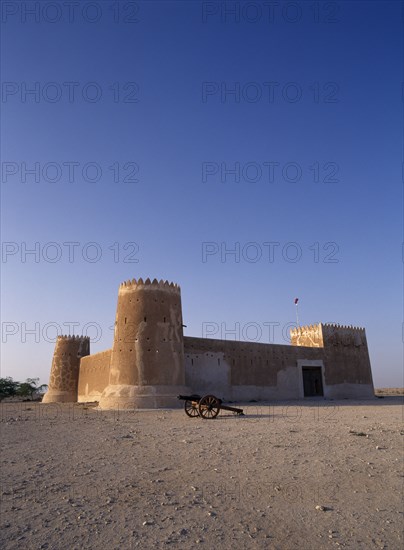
(147, 361)
(64, 376)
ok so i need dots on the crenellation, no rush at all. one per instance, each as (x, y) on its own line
(149, 285)
(339, 326)
(72, 337)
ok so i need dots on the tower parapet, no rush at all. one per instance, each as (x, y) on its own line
(64, 375)
(343, 335)
(327, 334)
(147, 360)
(310, 336)
(130, 284)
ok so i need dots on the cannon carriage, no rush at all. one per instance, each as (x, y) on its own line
(207, 407)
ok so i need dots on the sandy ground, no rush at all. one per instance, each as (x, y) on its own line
(74, 477)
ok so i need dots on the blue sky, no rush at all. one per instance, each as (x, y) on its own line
(154, 130)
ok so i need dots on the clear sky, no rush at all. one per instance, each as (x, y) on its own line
(250, 151)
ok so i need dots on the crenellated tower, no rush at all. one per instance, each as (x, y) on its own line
(64, 375)
(345, 354)
(147, 361)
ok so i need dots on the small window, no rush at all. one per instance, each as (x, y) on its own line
(145, 319)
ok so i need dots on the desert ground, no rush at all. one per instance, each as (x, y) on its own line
(288, 475)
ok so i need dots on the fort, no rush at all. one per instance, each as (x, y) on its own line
(151, 361)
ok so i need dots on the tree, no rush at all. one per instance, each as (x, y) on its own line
(8, 388)
(11, 388)
(29, 387)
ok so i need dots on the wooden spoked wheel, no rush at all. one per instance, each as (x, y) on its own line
(209, 407)
(191, 408)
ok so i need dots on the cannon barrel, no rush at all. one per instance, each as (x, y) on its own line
(193, 397)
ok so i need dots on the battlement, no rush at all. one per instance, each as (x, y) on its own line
(343, 335)
(304, 328)
(325, 334)
(75, 338)
(345, 327)
(309, 336)
(67, 345)
(148, 284)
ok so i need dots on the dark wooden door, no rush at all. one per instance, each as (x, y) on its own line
(312, 381)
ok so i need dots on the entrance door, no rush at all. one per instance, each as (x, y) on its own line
(312, 381)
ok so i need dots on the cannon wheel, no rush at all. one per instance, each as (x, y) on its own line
(209, 407)
(191, 408)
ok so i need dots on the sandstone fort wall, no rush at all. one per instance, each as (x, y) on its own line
(93, 376)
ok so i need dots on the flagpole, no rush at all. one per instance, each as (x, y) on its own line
(297, 311)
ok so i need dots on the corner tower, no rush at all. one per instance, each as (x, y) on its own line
(64, 375)
(147, 361)
(347, 370)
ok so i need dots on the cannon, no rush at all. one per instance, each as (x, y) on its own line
(207, 407)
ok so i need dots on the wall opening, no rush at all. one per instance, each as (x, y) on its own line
(312, 382)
